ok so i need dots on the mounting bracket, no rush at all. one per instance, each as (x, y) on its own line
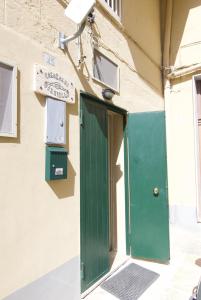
(63, 40)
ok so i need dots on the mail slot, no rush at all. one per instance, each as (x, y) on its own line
(56, 163)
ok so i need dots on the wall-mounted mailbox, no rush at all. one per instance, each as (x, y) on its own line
(56, 163)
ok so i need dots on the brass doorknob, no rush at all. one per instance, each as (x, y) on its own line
(156, 191)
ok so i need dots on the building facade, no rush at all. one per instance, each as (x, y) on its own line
(182, 69)
(50, 229)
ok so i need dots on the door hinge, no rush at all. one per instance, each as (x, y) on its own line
(81, 118)
(82, 271)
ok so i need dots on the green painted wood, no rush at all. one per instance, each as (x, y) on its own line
(94, 192)
(106, 104)
(147, 170)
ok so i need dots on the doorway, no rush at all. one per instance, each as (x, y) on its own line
(117, 228)
(197, 129)
(102, 191)
(115, 219)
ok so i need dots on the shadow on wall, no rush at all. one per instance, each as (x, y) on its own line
(180, 15)
(64, 188)
(142, 20)
(142, 26)
(141, 23)
(82, 72)
(143, 41)
(116, 172)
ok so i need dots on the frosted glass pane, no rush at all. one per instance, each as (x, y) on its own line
(6, 93)
(105, 70)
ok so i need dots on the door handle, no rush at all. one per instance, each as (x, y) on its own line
(156, 191)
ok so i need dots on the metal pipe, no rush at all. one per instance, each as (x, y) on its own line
(180, 72)
(167, 33)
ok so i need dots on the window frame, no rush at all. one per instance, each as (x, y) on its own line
(197, 146)
(101, 82)
(14, 99)
(111, 11)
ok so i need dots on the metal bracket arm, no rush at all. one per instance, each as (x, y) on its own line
(63, 40)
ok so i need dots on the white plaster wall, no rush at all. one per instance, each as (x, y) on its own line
(186, 33)
(185, 50)
(39, 222)
(180, 143)
(120, 184)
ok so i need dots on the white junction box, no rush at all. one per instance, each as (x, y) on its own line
(55, 122)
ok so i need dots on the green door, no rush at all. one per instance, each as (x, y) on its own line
(149, 216)
(94, 192)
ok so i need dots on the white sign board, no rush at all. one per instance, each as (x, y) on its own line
(53, 84)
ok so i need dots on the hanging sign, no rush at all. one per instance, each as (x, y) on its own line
(53, 84)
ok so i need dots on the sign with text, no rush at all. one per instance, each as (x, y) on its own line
(53, 84)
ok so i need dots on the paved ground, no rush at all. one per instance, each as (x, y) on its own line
(177, 279)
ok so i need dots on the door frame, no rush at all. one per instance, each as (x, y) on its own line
(123, 112)
(197, 148)
(127, 188)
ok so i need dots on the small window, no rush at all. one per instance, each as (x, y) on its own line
(8, 100)
(106, 71)
(115, 6)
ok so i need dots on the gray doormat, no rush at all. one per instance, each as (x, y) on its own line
(130, 283)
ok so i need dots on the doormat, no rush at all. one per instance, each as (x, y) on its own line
(130, 283)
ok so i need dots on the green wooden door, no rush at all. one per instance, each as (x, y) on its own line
(94, 192)
(147, 170)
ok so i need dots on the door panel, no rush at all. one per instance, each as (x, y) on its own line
(148, 170)
(94, 192)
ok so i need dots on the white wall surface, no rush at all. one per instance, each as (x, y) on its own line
(185, 46)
